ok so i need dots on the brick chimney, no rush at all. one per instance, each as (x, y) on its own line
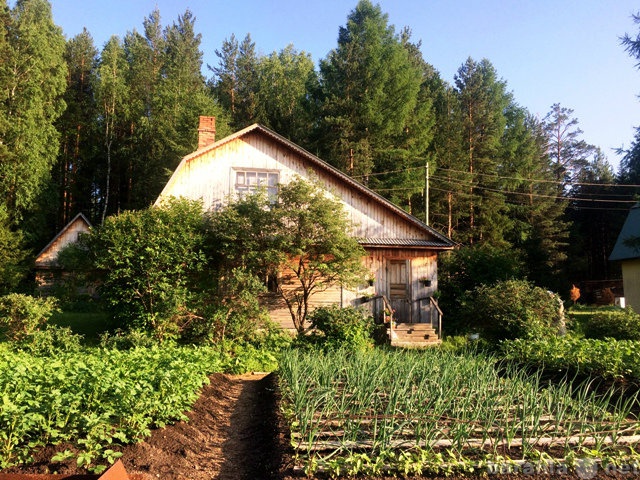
(206, 131)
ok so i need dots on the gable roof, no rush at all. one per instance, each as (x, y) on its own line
(439, 240)
(630, 231)
(40, 258)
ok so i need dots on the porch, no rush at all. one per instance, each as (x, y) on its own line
(422, 327)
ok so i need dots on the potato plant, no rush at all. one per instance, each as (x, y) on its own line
(95, 398)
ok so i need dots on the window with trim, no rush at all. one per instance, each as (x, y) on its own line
(248, 181)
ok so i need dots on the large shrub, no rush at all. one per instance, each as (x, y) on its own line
(513, 309)
(348, 327)
(618, 324)
(462, 270)
(152, 260)
(23, 315)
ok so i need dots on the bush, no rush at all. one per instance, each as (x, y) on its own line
(128, 339)
(605, 358)
(23, 315)
(514, 309)
(618, 324)
(153, 262)
(51, 341)
(347, 327)
(462, 270)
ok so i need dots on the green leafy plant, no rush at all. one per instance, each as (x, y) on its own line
(441, 412)
(348, 327)
(618, 324)
(513, 309)
(152, 260)
(23, 315)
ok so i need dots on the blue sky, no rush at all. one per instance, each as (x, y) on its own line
(548, 51)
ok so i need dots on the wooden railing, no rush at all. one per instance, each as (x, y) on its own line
(433, 308)
(380, 308)
(382, 312)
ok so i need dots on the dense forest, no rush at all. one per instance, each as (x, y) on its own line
(100, 131)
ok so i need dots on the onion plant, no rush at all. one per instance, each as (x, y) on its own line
(343, 403)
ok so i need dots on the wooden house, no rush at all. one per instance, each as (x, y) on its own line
(627, 252)
(402, 251)
(48, 273)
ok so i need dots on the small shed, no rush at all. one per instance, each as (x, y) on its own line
(48, 272)
(627, 252)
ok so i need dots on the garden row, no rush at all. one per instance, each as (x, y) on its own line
(608, 358)
(94, 398)
(436, 411)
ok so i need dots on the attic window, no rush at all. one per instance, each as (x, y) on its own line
(248, 181)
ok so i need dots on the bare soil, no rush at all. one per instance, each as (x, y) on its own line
(234, 432)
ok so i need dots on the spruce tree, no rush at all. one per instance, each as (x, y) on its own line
(368, 90)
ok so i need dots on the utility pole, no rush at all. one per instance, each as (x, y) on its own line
(426, 193)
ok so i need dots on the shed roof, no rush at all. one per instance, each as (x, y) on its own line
(627, 245)
(439, 241)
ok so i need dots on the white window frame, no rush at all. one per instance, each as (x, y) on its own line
(249, 180)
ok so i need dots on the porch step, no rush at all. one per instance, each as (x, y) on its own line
(414, 335)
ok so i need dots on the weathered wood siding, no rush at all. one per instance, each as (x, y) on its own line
(631, 280)
(211, 178)
(421, 264)
(70, 235)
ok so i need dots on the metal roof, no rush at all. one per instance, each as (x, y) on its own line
(403, 242)
(624, 249)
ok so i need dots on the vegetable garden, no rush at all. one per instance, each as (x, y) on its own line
(97, 398)
(436, 411)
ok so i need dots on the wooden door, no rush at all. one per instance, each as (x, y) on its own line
(398, 273)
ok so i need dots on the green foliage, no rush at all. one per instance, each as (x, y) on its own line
(608, 358)
(283, 82)
(12, 253)
(32, 82)
(513, 309)
(151, 261)
(368, 99)
(303, 243)
(618, 324)
(462, 270)
(97, 398)
(22, 315)
(234, 312)
(50, 341)
(349, 328)
(439, 412)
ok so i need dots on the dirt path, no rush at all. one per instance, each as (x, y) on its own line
(231, 434)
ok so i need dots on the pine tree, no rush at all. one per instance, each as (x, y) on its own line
(537, 226)
(113, 104)
(483, 100)
(565, 147)
(75, 172)
(235, 81)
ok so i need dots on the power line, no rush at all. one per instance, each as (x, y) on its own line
(509, 192)
(502, 177)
